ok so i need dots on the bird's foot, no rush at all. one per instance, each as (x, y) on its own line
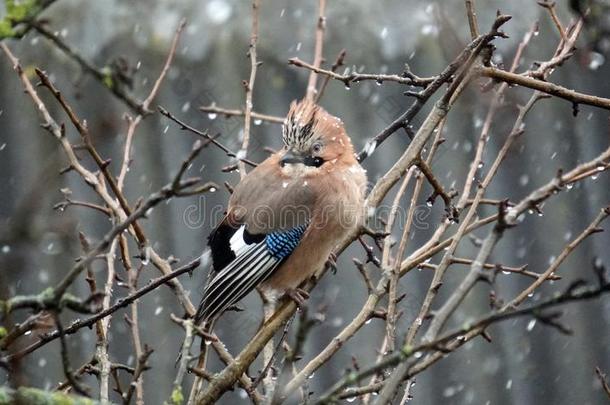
(235, 308)
(331, 263)
(298, 295)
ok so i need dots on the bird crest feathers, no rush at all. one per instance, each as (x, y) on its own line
(299, 123)
(307, 120)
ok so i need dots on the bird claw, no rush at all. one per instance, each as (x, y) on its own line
(235, 308)
(298, 295)
(331, 263)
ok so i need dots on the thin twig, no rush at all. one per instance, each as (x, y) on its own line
(249, 87)
(550, 6)
(168, 62)
(439, 190)
(270, 361)
(61, 206)
(205, 135)
(78, 387)
(101, 346)
(318, 51)
(354, 77)
(227, 112)
(187, 325)
(472, 18)
(336, 65)
(545, 87)
(141, 354)
(134, 122)
(604, 382)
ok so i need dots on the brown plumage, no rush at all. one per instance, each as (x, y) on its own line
(288, 214)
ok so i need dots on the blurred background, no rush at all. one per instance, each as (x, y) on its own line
(527, 363)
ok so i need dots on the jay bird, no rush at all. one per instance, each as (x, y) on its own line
(288, 214)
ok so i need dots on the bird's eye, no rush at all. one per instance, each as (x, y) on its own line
(313, 161)
(317, 147)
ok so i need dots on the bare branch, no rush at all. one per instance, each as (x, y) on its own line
(227, 112)
(78, 387)
(249, 87)
(168, 62)
(120, 303)
(457, 337)
(354, 77)
(545, 87)
(177, 397)
(568, 249)
(550, 6)
(452, 212)
(205, 136)
(602, 378)
(464, 59)
(336, 65)
(318, 50)
(104, 76)
(472, 18)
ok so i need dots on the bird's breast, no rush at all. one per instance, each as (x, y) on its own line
(339, 209)
(341, 199)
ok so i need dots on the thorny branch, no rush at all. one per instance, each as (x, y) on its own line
(55, 297)
(407, 77)
(120, 303)
(576, 292)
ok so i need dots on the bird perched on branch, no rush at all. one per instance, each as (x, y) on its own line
(288, 214)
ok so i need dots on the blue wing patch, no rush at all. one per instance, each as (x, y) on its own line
(256, 258)
(280, 244)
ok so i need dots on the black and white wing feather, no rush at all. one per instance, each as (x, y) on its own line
(248, 261)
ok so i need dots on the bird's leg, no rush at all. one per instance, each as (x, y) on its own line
(298, 295)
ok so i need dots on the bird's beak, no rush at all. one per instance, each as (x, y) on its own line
(291, 157)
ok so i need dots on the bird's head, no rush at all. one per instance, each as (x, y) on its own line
(314, 140)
